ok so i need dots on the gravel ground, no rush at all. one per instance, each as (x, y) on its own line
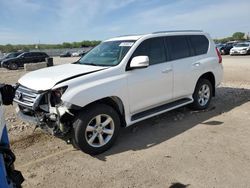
(181, 148)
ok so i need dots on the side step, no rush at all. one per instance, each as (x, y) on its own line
(161, 108)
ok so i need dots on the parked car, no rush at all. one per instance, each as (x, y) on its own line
(241, 49)
(10, 55)
(82, 53)
(26, 57)
(225, 50)
(121, 81)
(219, 46)
(66, 54)
(75, 54)
(78, 54)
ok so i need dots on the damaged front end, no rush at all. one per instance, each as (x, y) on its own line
(46, 110)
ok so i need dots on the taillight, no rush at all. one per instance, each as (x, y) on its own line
(219, 55)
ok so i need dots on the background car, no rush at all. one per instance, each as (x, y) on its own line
(219, 46)
(240, 49)
(66, 54)
(225, 50)
(75, 54)
(82, 53)
(10, 55)
(26, 57)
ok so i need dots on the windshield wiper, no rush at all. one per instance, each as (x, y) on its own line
(90, 64)
(87, 63)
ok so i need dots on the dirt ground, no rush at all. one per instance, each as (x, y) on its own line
(181, 148)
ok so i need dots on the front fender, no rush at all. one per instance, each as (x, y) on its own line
(84, 94)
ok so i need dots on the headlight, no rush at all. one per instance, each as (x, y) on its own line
(56, 95)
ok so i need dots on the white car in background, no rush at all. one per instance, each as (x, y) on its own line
(241, 49)
(121, 81)
(75, 54)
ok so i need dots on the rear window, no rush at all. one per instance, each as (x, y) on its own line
(199, 44)
(43, 54)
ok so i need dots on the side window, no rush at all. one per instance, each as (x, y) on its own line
(27, 55)
(199, 43)
(154, 49)
(178, 47)
(34, 54)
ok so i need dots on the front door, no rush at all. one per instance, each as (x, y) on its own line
(151, 86)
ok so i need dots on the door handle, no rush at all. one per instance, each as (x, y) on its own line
(197, 64)
(167, 70)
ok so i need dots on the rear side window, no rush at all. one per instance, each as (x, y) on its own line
(27, 55)
(154, 49)
(178, 47)
(34, 54)
(199, 43)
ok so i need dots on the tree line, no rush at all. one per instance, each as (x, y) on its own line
(26, 47)
(239, 36)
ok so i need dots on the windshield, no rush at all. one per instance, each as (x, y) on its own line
(242, 45)
(107, 53)
(11, 55)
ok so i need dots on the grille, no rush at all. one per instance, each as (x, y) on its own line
(27, 97)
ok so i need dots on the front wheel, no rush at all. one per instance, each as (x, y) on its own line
(96, 129)
(13, 66)
(202, 94)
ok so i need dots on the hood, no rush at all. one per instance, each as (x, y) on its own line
(240, 48)
(9, 59)
(46, 78)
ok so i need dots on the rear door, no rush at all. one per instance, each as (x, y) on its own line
(151, 86)
(36, 57)
(187, 54)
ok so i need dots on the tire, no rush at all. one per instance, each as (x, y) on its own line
(13, 66)
(202, 94)
(74, 144)
(99, 137)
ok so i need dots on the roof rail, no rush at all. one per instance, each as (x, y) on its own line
(129, 35)
(173, 31)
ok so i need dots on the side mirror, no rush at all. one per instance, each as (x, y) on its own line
(139, 62)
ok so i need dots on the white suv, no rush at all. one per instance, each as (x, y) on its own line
(120, 82)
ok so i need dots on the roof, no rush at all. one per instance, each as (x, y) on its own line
(136, 37)
(126, 37)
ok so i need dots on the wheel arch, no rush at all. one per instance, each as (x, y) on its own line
(209, 76)
(113, 101)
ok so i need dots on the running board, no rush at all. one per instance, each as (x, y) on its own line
(162, 108)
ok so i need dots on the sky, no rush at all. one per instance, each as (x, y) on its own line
(57, 21)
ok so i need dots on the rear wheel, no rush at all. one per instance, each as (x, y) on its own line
(96, 129)
(13, 66)
(202, 94)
